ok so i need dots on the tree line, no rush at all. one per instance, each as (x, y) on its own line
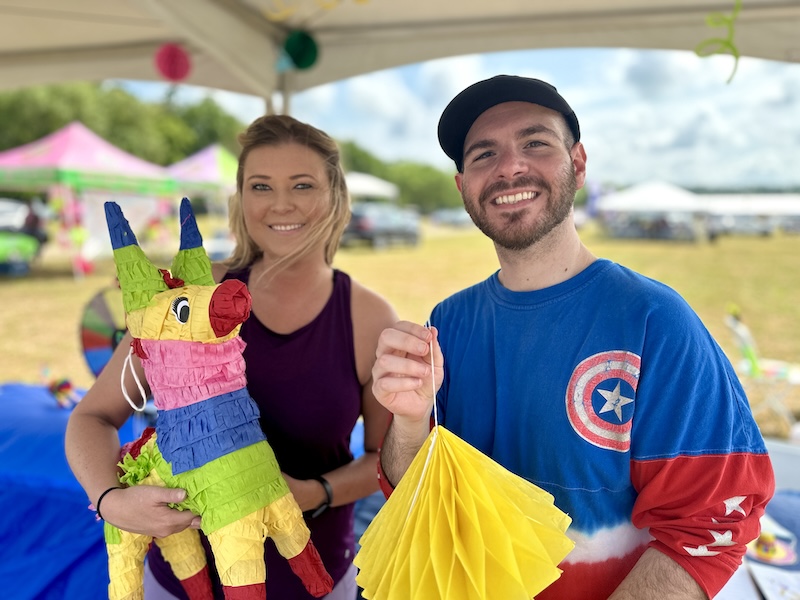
(166, 132)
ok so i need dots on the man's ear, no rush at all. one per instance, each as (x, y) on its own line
(458, 180)
(578, 155)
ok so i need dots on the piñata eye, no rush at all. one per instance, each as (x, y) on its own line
(180, 308)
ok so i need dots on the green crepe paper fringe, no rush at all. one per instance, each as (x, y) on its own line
(193, 266)
(139, 279)
(229, 487)
(135, 470)
(111, 534)
(222, 491)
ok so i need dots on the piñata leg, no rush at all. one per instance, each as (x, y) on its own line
(185, 554)
(239, 556)
(286, 527)
(126, 553)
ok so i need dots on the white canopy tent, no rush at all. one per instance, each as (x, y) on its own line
(364, 185)
(774, 205)
(236, 44)
(657, 196)
(653, 196)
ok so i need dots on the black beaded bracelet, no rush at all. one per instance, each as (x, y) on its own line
(328, 497)
(100, 499)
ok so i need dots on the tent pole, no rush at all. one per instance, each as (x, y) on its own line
(285, 88)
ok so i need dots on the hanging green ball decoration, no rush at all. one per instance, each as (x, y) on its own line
(301, 48)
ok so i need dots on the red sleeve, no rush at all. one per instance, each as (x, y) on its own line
(703, 510)
(386, 486)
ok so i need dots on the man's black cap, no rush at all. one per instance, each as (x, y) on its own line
(471, 103)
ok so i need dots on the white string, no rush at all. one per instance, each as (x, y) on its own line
(433, 385)
(435, 432)
(128, 364)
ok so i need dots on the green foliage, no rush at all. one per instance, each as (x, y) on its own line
(424, 186)
(420, 185)
(210, 124)
(144, 130)
(166, 132)
(31, 113)
(160, 133)
(355, 158)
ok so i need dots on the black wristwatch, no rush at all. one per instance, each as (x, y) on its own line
(328, 498)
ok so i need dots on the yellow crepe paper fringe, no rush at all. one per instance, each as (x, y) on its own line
(475, 531)
(184, 552)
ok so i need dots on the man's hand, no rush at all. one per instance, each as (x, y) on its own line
(405, 379)
(402, 378)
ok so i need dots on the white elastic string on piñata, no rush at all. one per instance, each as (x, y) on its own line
(128, 364)
(435, 431)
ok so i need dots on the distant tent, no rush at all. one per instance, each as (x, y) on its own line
(654, 196)
(79, 171)
(364, 185)
(654, 210)
(210, 171)
(77, 157)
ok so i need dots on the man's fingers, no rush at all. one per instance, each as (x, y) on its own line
(394, 384)
(399, 366)
(404, 337)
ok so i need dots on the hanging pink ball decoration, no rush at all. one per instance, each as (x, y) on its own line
(173, 62)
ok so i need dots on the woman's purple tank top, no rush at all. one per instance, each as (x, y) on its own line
(306, 385)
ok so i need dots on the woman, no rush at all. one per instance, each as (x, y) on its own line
(311, 340)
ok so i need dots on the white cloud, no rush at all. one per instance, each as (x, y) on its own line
(644, 114)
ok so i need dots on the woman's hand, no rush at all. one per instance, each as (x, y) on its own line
(145, 509)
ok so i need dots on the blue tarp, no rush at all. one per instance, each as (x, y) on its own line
(51, 546)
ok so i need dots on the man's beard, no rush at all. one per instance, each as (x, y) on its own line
(511, 233)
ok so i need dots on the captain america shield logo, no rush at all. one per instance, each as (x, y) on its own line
(600, 399)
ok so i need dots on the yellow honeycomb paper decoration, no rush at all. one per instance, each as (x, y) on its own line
(460, 526)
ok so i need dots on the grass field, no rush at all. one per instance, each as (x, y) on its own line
(42, 310)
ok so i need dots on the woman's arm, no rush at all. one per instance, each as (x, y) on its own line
(93, 450)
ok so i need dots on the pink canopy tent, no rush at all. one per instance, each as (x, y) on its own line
(77, 157)
(209, 173)
(79, 171)
(213, 167)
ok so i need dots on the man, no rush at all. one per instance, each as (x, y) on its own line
(595, 383)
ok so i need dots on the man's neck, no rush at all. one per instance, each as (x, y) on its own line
(553, 260)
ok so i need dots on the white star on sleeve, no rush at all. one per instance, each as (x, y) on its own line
(734, 505)
(614, 401)
(699, 551)
(723, 538)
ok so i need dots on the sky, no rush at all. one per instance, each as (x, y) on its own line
(644, 114)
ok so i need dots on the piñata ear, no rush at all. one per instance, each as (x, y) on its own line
(191, 263)
(139, 279)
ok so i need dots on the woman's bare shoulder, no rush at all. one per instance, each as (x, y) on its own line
(370, 309)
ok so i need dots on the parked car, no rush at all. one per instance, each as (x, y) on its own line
(17, 216)
(452, 217)
(22, 233)
(380, 224)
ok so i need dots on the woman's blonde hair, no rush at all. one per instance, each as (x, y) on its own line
(276, 130)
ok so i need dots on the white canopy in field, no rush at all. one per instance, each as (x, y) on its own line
(236, 44)
(654, 196)
(775, 205)
(368, 186)
(660, 197)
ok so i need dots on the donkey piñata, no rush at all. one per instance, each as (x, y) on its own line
(207, 439)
